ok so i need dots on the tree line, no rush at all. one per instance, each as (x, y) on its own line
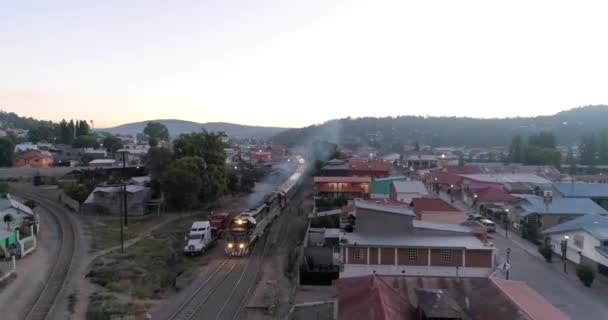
(539, 149)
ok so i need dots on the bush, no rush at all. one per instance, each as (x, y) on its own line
(546, 252)
(586, 274)
(530, 231)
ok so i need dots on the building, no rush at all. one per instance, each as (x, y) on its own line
(108, 200)
(598, 192)
(437, 210)
(261, 156)
(587, 240)
(415, 298)
(346, 187)
(33, 158)
(387, 240)
(381, 187)
(405, 191)
(336, 168)
(9, 238)
(94, 154)
(533, 209)
(22, 147)
(102, 163)
(486, 195)
(132, 156)
(66, 154)
(370, 168)
(422, 161)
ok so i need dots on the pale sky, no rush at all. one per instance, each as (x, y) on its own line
(295, 63)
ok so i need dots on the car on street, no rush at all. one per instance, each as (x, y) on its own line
(488, 224)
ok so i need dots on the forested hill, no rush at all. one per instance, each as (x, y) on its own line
(177, 127)
(568, 127)
(12, 120)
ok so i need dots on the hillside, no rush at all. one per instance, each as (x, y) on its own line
(177, 127)
(568, 126)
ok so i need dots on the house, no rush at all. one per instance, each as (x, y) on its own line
(587, 240)
(66, 154)
(22, 147)
(405, 191)
(346, 187)
(33, 158)
(336, 168)
(132, 156)
(413, 298)
(261, 156)
(94, 154)
(102, 163)
(421, 161)
(381, 187)
(478, 197)
(437, 210)
(388, 240)
(140, 181)
(533, 209)
(109, 200)
(598, 192)
(370, 168)
(9, 233)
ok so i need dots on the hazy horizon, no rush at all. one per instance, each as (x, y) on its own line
(282, 64)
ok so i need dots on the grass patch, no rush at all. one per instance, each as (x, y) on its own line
(107, 307)
(105, 230)
(150, 267)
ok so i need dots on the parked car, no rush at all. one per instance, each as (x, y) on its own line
(488, 224)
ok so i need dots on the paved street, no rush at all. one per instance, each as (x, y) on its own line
(563, 290)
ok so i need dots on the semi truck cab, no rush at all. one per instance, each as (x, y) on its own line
(198, 238)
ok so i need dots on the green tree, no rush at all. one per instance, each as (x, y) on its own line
(588, 150)
(603, 148)
(181, 187)
(517, 149)
(158, 160)
(543, 139)
(82, 128)
(232, 182)
(7, 151)
(76, 191)
(157, 131)
(586, 274)
(112, 144)
(571, 161)
(42, 133)
(64, 135)
(86, 141)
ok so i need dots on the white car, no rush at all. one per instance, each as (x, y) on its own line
(488, 224)
(198, 238)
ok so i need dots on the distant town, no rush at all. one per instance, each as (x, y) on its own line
(202, 225)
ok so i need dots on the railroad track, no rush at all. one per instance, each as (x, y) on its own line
(46, 300)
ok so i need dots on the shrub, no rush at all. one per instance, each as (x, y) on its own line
(586, 274)
(546, 252)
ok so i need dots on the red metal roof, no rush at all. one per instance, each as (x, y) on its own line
(369, 297)
(369, 165)
(33, 154)
(342, 179)
(529, 301)
(446, 178)
(491, 194)
(432, 204)
(466, 169)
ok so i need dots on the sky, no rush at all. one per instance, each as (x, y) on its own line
(295, 63)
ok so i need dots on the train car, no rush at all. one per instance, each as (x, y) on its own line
(250, 225)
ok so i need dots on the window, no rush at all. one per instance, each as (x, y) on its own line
(357, 253)
(446, 255)
(579, 240)
(412, 254)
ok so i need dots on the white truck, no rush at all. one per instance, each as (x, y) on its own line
(199, 238)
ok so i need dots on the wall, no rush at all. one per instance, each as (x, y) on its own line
(374, 222)
(363, 270)
(550, 220)
(588, 250)
(456, 260)
(444, 217)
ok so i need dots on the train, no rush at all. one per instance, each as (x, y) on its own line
(244, 229)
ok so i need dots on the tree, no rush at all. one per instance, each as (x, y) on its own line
(157, 161)
(232, 182)
(182, 183)
(7, 150)
(517, 149)
(76, 191)
(543, 139)
(571, 161)
(82, 128)
(586, 274)
(546, 252)
(588, 150)
(157, 131)
(86, 141)
(42, 133)
(603, 148)
(8, 219)
(112, 144)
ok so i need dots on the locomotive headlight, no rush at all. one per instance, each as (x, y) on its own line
(239, 221)
(241, 245)
(230, 245)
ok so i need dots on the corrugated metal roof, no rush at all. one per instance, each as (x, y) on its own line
(529, 301)
(583, 190)
(468, 241)
(595, 225)
(432, 205)
(536, 204)
(363, 204)
(507, 177)
(410, 187)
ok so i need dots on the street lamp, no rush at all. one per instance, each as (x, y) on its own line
(507, 221)
(565, 252)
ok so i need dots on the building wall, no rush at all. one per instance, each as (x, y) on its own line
(478, 258)
(373, 255)
(588, 248)
(422, 258)
(374, 222)
(455, 261)
(443, 217)
(37, 162)
(387, 256)
(351, 270)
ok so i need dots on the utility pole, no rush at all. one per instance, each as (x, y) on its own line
(122, 237)
(508, 256)
(124, 186)
(565, 252)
